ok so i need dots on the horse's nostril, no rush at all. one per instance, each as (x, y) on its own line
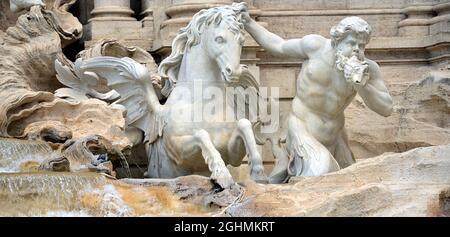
(228, 70)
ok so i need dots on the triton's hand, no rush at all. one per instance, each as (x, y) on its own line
(358, 85)
(245, 14)
(355, 71)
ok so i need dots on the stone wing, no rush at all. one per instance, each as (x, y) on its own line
(132, 81)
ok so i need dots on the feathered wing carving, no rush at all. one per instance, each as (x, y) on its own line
(79, 84)
(132, 81)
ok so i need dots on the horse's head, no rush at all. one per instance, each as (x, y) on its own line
(219, 31)
(222, 39)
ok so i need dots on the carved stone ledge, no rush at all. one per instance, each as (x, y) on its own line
(443, 8)
(441, 23)
(186, 9)
(290, 12)
(420, 18)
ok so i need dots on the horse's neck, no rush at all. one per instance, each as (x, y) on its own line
(197, 72)
(197, 66)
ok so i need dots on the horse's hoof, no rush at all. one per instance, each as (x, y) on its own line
(224, 180)
(261, 179)
(225, 183)
(259, 176)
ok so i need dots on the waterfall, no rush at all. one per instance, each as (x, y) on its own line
(59, 194)
(15, 153)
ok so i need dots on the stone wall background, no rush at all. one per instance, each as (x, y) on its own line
(411, 42)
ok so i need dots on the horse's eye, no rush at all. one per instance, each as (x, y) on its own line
(220, 40)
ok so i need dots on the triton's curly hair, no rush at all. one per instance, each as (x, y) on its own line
(348, 25)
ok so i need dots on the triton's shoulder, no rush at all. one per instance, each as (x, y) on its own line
(372, 64)
(313, 42)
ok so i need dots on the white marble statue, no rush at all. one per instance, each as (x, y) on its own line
(19, 5)
(205, 54)
(333, 72)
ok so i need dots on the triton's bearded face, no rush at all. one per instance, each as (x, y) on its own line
(352, 45)
(350, 58)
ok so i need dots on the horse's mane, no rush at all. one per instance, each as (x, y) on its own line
(190, 36)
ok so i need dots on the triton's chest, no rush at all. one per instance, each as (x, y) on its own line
(318, 74)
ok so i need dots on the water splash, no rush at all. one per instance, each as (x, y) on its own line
(112, 203)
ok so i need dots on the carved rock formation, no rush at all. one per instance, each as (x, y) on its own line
(421, 118)
(34, 106)
(414, 183)
(59, 164)
(27, 74)
(7, 17)
(92, 153)
(28, 107)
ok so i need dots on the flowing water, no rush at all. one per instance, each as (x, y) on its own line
(27, 191)
(21, 155)
(46, 194)
(86, 194)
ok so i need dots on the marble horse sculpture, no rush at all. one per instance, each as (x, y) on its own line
(207, 53)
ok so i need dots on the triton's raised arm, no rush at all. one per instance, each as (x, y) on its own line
(274, 44)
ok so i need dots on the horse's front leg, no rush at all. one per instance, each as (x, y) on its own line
(219, 171)
(244, 134)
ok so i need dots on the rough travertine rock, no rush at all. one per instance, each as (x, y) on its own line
(421, 118)
(27, 74)
(414, 183)
(197, 189)
(28, 107)
(7, 17)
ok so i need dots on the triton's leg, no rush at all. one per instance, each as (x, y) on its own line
(343, 154)
(308, 157)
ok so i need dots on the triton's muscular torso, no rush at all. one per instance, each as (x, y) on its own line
(322, 96)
